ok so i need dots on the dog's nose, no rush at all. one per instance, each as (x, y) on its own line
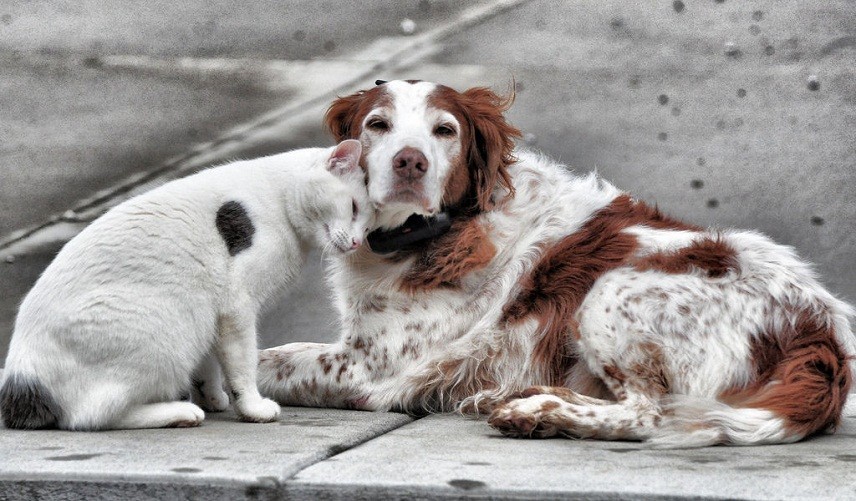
(410, 163)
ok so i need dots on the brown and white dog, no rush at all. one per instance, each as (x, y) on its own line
(558, 303)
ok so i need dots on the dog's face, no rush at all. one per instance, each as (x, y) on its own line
(427, 146)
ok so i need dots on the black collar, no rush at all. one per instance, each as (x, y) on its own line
(416, 230)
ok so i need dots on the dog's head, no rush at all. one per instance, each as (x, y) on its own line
(427, 147)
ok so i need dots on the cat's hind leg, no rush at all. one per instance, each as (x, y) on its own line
(160, 415)
(207, 388)
(238, 353)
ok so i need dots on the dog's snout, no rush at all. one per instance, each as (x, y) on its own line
(410, 163)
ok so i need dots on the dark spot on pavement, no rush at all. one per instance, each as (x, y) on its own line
(754, 29)
(797, 464)
(329, 46)
(186, 470)
(633, 82)
(769, 50)
(700, 161)
(678, 6)
(705, 459)
(662, 136)
(478, 463)
(299, 35)
(817, 221)
(92, 62)
(74, 457)
(235, 227)
(720, 124)
(467, 485)
(663, 99)
(697, 184)
(6, 18)
(519, 87)
(741, 92)
(713, 203)
(616, 23)
(732, 51)
(757, 15)
(675, 111)
(813, 83)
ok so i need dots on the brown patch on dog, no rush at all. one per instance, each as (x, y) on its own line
(487, 142)
(549, 406)
(709, 254)
(650, 373)
(464, 249)
(559, 282)
(325, 362)
(345, 116)
(801, 374)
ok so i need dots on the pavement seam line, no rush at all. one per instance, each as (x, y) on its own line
(467, 19)
(334, 451)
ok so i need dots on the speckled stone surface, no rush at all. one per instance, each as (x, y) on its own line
(222, 458)
(448, 456)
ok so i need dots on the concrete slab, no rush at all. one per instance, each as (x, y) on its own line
(222, 459)
(449, 457)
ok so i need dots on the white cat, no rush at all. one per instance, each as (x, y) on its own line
(113, 329)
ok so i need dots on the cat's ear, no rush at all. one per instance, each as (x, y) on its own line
(345, 157)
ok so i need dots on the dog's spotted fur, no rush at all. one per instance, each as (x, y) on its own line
(559, 304)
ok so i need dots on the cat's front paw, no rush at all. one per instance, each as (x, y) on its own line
(260, 410)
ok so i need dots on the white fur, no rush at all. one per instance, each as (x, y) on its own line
(117, 323)
(412, 122)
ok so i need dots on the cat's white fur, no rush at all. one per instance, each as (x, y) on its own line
(113, 329)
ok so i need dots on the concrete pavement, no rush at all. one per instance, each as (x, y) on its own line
(352, 455)
(725, 113)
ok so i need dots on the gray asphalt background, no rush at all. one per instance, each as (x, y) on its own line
(704, 107)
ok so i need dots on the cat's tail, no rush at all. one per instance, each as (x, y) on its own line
(26, 404)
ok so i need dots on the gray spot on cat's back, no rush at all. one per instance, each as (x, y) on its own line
(235, 227)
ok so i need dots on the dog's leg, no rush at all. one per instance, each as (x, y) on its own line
(546, 412)
(315, 375)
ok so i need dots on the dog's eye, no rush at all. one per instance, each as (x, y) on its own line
(444, 130)
(378, 125)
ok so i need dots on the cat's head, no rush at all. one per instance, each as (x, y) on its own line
(345, 225)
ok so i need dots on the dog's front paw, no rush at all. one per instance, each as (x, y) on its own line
(261, 410)
(526, 417)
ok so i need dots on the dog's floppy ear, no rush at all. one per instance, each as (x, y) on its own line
(491, 142)
(341, 116)
(344, 117)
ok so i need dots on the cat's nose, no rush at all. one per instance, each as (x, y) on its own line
(355, 243)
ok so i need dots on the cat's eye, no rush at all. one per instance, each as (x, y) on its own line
(444, 130)
(378, 124)
(354, 209)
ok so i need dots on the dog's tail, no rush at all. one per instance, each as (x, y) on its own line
(801, 387)
(26, 404)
